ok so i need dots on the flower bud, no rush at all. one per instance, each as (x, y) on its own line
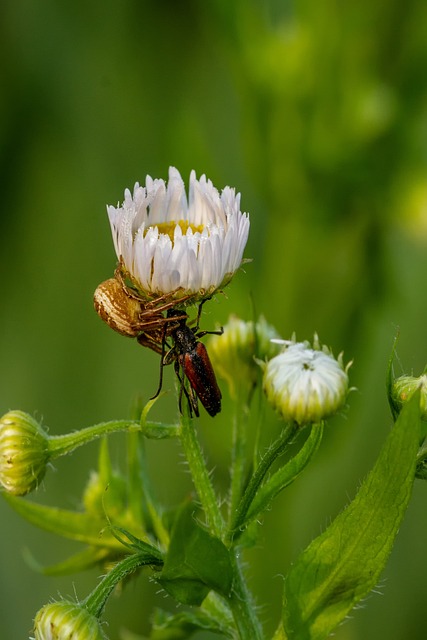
(404, 387)
(66, 621)
(99, 492)
(234, 353)
(306, 385)
(24, 453)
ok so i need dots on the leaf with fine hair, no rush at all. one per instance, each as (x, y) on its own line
(286, 474)
(196, 561)
(82, 527)
(180, 626)
(341, 566)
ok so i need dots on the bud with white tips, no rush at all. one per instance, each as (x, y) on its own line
(306, 385)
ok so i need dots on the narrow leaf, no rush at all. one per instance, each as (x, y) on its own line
(286, 474)
(69, 524)
(86, 559)
(342, 565)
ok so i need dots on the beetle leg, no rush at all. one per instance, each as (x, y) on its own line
(163, 361)
(218, 332)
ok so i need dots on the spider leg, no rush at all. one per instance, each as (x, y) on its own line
(156, 319)
(168, 299)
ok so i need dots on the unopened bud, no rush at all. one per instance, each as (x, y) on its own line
(306, 385)
(405, 386)
(66, 621)
(23, 453)
(234, 353)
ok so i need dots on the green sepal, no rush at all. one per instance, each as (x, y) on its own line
(182, 625)
(284, 476)
(341, 566)
(82, 527)
(141, 547)
(196, 561)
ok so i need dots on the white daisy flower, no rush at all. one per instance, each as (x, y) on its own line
(169, 246)
(306, 385)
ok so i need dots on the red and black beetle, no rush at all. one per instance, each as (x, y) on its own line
(191, 361)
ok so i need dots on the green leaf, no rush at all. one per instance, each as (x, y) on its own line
(70, 524)
(182, 625)
(86, 559)
(342, 565)
(196, 562)
(286, 474)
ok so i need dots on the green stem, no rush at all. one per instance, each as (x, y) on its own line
(242, 604)
(238, 455)
(96, 601)
(200, 476)
(141, 501)
(61, 445)
(276, 450)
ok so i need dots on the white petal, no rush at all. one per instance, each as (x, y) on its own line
(197, 261)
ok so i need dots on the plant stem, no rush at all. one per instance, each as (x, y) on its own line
(277, 449)
(61, 445)
(238, 455)
(200, 476)
(96, 601)
(242, 604)
(64, 444)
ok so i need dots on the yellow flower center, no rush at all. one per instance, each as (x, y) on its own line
(168, 228)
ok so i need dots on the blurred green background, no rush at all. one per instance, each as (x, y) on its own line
(317, 113)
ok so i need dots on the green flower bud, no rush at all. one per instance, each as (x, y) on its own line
(234, 353)
(24, 453)
(306, 385)
(96, 498)
(404, 387)
(66, 621)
